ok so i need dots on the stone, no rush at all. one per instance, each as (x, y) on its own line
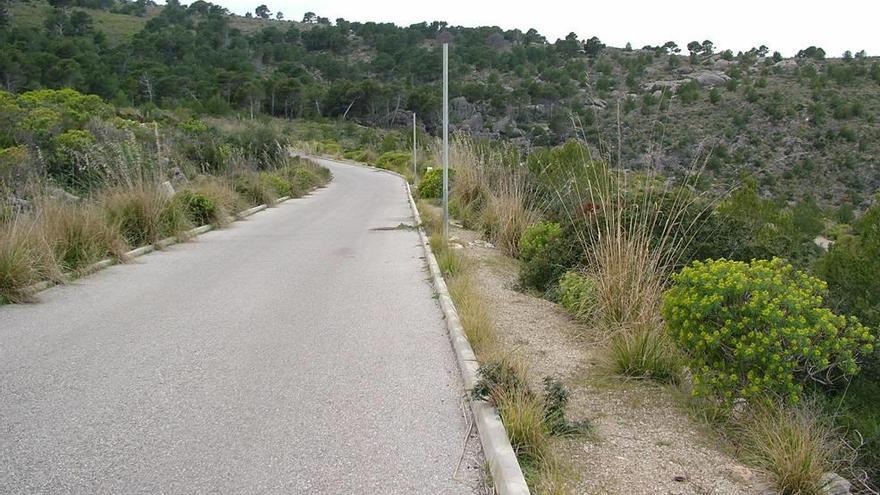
(168, 189)
(834, 484)
(59, 194)
(710, 78)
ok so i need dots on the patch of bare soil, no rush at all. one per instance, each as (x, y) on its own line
(643, 442)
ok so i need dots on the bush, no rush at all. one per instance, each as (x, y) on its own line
(398, 161)
(222, 205)
(546, 252)
(254, 190)
(577, 294)
(431, 185)
(200, 209)
(280, 185)
(756, 328)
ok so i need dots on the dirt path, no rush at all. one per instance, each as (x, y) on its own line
(644, 443)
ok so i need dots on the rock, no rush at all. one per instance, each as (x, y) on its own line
(823, 242)
(167, 188)
(787, 64)
(474, 123)
(177, 177)
(460, 109)
(739, 474)
(59, 194)
(710, 78)
(671, 85)
(592, 101)
(722, 64)
(833, 484)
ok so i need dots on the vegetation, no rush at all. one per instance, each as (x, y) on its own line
(759, 328)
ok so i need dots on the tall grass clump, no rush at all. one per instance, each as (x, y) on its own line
(634, 231)
(492, 189)
(645, 351)
(144, 213)
(79, 234)
(25, 259)
(794, 447)
(211, 200)
(449, 260)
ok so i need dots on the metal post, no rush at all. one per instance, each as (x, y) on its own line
(415, 169)
(446, 141)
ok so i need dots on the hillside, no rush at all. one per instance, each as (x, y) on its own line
(801, 126)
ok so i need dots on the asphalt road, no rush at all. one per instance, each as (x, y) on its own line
(299, 351)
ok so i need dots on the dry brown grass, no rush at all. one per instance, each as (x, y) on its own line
(26, 258)
(473, 312)
(793, 446)
(79, 234)
(143, 213)
(492, 188)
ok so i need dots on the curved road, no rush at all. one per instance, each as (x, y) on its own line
(299, 351)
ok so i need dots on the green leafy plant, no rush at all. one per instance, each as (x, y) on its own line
(546, 251)
(577, 294)
(758, 328)
(200, 208)
(431, 185)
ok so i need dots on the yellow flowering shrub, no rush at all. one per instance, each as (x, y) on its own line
(752, 329)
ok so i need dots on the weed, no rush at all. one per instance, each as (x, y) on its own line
(644, 350)
(25, 259)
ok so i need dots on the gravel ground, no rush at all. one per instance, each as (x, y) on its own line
(643, 443)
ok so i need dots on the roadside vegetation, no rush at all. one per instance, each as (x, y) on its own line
(84, 181)
(770, 338)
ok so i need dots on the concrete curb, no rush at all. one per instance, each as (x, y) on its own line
(506, 472)
(149, 248)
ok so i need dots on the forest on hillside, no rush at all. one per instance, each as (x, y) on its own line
(800, 126)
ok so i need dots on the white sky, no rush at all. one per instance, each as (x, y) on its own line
(783, 25)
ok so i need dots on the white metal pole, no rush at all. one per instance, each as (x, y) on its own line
(446, 141)
(415, 169)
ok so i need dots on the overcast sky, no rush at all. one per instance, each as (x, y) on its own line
(783, 25)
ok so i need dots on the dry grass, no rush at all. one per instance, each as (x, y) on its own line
(79, 234)
(25, 259)
(220, 191)
(634, 233)
(473, 312)
(143, 213)
(523, 415)
(793, 446)
(492, 188)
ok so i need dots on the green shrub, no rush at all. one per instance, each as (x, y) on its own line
(546, 252)
(398, 161)
(431, 185)
(755, 328)
(254, 190)
(200, 209)
(577, 294)
(280, 185)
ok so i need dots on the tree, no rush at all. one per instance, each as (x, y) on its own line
(672, 47)
(279, 15)
(248, 15)
(262, 12)
(593, 46)
(763, 50)
(309, 17)
(707, 47)
(4, 12)
(694, 47)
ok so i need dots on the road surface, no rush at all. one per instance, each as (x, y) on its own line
(299, 351)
